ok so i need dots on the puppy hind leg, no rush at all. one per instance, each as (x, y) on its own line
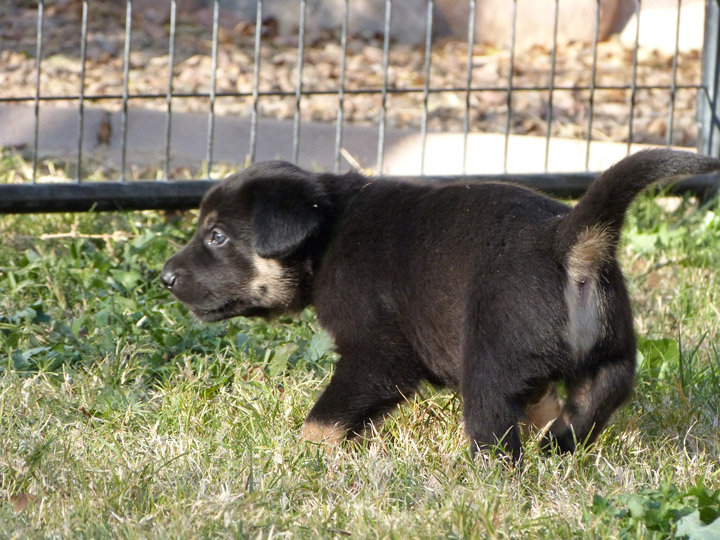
(591, 401)
(492, 420)
(491, 411)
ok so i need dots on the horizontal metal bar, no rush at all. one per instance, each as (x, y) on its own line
(362, 91)
(186, 194)
(102, 196)
(573, 185)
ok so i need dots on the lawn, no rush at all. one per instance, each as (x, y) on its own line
(121, 416)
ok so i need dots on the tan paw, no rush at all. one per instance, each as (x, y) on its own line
(331, 434)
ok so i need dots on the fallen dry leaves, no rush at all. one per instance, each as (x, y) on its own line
(192, 74)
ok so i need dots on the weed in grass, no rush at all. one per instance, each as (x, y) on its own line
(693, 513)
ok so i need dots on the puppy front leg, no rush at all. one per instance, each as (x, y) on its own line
(357, 395)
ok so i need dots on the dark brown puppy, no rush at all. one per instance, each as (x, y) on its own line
(490, 288)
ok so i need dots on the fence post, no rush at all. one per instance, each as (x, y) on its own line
(709, 139)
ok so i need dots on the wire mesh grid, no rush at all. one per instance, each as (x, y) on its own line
(592, 92)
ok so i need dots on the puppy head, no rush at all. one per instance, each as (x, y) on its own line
(251, 254)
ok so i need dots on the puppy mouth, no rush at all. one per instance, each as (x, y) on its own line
(220, 312)
(228, 310)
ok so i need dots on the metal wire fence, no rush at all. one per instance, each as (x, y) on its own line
(472, 95)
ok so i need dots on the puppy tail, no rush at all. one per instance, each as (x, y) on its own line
(588, 236)
(592, 228)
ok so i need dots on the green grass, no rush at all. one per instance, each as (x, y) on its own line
(120, 416)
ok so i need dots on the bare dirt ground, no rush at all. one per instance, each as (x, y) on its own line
(148, 73)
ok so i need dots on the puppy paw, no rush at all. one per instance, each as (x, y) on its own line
(321, 433)
(563, 442)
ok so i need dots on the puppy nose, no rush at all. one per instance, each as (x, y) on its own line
(168, 277)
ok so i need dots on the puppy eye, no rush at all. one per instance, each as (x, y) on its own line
(217, 238)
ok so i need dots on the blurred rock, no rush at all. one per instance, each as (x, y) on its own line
(658, 25)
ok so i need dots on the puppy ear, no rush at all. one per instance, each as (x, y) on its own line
(285, 217)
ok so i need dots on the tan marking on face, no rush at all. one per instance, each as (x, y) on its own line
(579, 402)
(270, 285)
(330, 434)
(581, 396)
(210, 219)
